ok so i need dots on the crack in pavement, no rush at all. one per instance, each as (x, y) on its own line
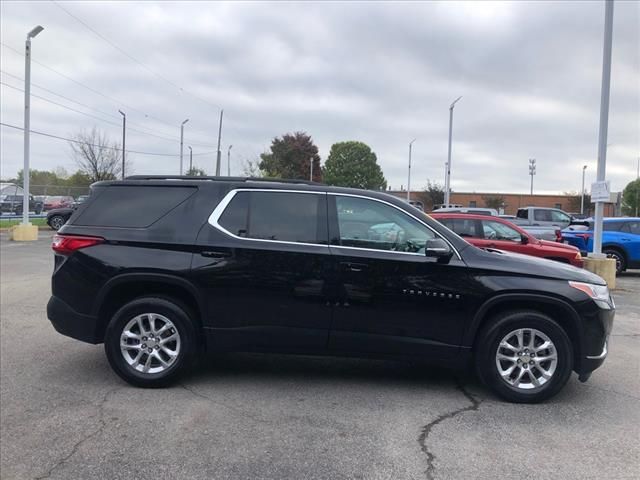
(78, 444)
(426, 430)
(224, 405)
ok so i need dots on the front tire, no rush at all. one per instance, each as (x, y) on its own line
(150, 342)
(524, 356)
(56, 222)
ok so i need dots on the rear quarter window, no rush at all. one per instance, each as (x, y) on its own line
(132, 206)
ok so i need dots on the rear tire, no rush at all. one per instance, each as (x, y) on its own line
(518, 368)
(621, 262)
(165, 331)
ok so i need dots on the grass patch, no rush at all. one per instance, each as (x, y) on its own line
(40, 222)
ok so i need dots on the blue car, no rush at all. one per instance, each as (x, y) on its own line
(620, 240)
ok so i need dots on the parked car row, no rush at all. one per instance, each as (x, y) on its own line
(13, 204)
(57, 217)
(620, 240)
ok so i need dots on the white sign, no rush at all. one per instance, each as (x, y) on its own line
(601, 192)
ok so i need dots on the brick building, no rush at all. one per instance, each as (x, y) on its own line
(513, 201)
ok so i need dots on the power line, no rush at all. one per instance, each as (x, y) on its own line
(172, 139)
(96, 92)
(130, 57)
(99, 146)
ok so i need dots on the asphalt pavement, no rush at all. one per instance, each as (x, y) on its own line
(65, 415)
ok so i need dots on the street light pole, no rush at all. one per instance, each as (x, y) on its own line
(219, 153)
(532, 172)
(409, 174)
(604, 123)
(124, 129)
(229, 160)
(584, 168)
(182, 142)
(27, 123)
(447, 180)
(190, 159)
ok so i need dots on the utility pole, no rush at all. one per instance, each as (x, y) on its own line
(219, 153)
(532, 171)
(182, 142)
(229, 160)
(604, 123)
(311, 169)
(637, 186)
(124, 129)
(582, 192)
(27, 123)
(190, 159)
(409, 175)
(447, 179)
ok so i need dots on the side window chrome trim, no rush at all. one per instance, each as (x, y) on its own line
(402, 211)
(224, 203)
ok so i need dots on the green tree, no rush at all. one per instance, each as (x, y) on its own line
(493, 201)
(291, 157)
(433, 194)
(631, 198)
(196, 172)
(353, 164)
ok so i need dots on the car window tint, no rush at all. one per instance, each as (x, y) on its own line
(542, 215)
(522, 213)
(277, 216)
(463, 227)
(371, 224)
(500, 231)
(132, 206)
(557, 216)
(631, 227)
(613, 226)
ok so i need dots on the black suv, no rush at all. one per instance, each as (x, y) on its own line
(161, 268)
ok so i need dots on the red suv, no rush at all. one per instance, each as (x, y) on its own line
(493, 232)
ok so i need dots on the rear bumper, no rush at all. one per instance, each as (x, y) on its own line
(71, 323)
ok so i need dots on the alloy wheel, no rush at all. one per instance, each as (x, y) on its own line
(526, 359)
(150, 343)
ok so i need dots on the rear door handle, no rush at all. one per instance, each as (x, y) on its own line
(354, 267)
(213, 254)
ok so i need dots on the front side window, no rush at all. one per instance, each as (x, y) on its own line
(500, 231)
(560, 217)
(365, 223)
(277, 216)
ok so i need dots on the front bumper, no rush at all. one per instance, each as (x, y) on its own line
(71, 323)
(597, 328)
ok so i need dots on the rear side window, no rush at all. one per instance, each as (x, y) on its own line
(132, 206)
(542, 215)
(277, 216)
(463, 227)
(523, 213)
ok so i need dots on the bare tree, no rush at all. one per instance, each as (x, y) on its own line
(96, 156)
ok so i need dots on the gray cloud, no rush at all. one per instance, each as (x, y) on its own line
(382, 73)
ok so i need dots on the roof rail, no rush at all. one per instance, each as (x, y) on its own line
(223, 179)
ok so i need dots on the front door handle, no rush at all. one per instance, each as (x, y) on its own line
(354, 267)
(213, 254)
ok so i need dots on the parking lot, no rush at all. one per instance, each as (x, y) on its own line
(65, 415)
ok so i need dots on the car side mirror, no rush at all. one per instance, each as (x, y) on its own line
(439, 249)
(524, 239)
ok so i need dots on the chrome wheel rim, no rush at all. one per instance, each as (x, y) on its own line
(57, 223)
(150, 343)
(526, 359)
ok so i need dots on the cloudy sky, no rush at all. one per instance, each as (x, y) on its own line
(381, 73)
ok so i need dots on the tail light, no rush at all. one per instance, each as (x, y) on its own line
(558, 235)
(67, 244)
(584, 236)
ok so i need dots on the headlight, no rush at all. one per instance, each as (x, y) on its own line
(599, 293)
